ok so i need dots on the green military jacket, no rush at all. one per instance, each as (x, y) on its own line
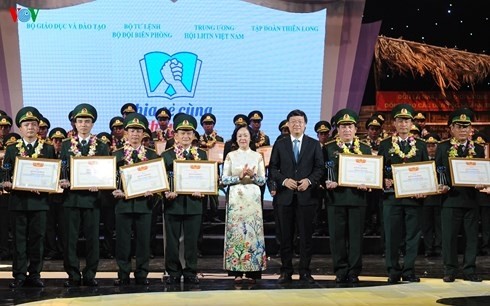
(343, 196)
(141, 205)
(80, 198)
(457, 196)
(386, 150)
(182, 204)
(26, 200)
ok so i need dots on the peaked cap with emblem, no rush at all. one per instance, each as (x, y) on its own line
(322, 126)
(283, 124)
(374, 121)
(184, 121)
(85, 110)
(403, 111)
(255, 115)
(27, 113)
(135, 121)
(44, 122)
(346, 116)
(432, 138)
(419, 116)
(128, 108)
(240, 120)
(5, 120)
(116, 121)
(208, 117)
(11, 138)
(57, 132)
(105, 137)
(163, 113)
(462, 116)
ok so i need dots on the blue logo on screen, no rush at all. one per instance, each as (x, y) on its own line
(170, 76)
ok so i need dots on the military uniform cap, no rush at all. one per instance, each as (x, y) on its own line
(374, 121)
(147, 133)
(11, 138)
(105, 137)
(208, 117)
(27, 113)
(462, 116)
(432, 138)
(480, 138)
(135, 121)
(3, 113)
(255, 115)
(403, 111)
(163, 113)
(419, 116)
(116, 121)
(128, 108)
(85, 110)
(380, 116)
(415, 128)
(346, 116)
(58, 132)
(5, 120)
(44, 122)
(240, 119)
(70, 115)
(283, 124)
(184, 121)
(322, 126)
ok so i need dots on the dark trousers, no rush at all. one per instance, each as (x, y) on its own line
(54, 229)
(452, 220)
(175, 225)
(107, 218)
(142, 225)
(156, 213)
(304, 216)
(485, 228)
(5, 224)
(29, 228)
(88, 219)
(394, 216)
(431, 228)
(346, 226)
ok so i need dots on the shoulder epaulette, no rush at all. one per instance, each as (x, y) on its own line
(68, 138)
(117, 149)
(330, 141)
(171, 148)
(150, 149)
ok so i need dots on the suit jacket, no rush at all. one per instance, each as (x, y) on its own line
(344, 196)
(26, 200)
(142, 205)
(457, 196)
(390, 158)
(182, 204)
(81, 198)
(283, 165)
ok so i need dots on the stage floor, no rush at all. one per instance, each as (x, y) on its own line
(216, 288)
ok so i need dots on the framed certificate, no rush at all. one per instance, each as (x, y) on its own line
(160, 146)
(92, 171)
(195, 176)
(216, 152)
(145, 176)
(414, 178)
(266, 154)
(355, 170)
(36, 174)
(468, 172)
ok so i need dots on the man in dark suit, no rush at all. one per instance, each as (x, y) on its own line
(296, 166)
(81, 207)
(460, 207)
(28, 207)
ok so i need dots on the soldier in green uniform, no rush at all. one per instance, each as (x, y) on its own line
(135, 212)
(117, 132)
(259, 138)
(44, 126)
(28, 207)
(81, 207)
(402, 217)
(207, 140)
(5, 249)
(164, 132)
(431, 211)
(322, 129)
(128, 108)
(459, 204)
(346, 211)
(182, 213)
(483, 199)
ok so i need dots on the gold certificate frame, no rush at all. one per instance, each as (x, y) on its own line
(356, 170)
(92, 171)
(414, 178)
(468, 172)
(39, 174)
(266, 152)
(215, 153)
(137, 179)
(195, 176)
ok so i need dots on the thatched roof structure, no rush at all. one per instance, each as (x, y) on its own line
(450, 68)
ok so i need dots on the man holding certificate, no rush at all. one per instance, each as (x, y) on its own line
(459, 204)
(29, 208)
(346, 211)
(182, 213)
(402, 216)
(81, 206)
(135, 211)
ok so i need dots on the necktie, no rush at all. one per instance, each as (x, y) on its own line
(403, 144)
(29, 149)
(296, 149)
(134, 155)
(84, 147)
(84, 142)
